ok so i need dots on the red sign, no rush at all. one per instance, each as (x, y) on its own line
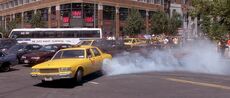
(76, 13)
(88, 19)
(66, 19)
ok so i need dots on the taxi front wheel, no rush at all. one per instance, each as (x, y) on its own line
(78, 76)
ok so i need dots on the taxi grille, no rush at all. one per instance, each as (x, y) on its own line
(49, 70)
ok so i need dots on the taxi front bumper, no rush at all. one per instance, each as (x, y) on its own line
(52, 77)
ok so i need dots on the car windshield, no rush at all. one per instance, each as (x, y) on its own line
(48, 48)
(86, 42)
(15, 48)
(69, 54)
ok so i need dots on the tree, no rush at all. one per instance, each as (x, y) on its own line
(134, 23)
(214, 17)
(36, 21)
(13, 24)
(3, 31)
(162, 23)
(159, 23)
(174, 23)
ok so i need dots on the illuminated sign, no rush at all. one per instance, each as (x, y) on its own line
(66, 19)
(76, 14)
(89, 19)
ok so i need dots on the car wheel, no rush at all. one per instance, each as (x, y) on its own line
(43, 81)
(5, 67)
(78, 76)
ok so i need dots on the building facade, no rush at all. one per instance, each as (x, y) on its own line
(110, 15)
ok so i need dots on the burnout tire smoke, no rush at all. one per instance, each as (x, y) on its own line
(199, 56)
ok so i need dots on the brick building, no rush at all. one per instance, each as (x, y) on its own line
(109, 15)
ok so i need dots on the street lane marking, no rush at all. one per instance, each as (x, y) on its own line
(94, 83)
(199, 83)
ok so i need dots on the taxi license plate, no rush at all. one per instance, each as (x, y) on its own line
(48, 79)
(26, 61)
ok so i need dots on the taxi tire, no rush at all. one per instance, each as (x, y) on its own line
(79, 76)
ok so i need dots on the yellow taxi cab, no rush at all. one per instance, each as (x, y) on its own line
(86, 42)
(134, 42)
(71, 63)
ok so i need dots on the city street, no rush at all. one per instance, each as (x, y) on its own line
(18, 84)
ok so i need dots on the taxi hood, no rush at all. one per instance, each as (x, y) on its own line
(59, 63)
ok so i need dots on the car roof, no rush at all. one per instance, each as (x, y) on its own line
(82, 47)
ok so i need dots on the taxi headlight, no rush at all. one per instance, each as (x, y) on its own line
(35, 70)
(64, 69)
(36, 58)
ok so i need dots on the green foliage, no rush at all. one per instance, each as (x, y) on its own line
(174, 23)
(159, 23)
(36, 21)
(134, 23)
(3, 31)
(214, 17)
(13, 24)
(162, 23)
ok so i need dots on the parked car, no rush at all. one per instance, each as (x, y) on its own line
(6, 43)
(1, 35)
(134, 42)
(71, 63)
(108, 46)
(43, 54)
(7, 61)
(22, 48)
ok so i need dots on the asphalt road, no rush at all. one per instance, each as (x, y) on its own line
(18, 84)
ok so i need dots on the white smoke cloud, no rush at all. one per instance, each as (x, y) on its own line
(197, 56)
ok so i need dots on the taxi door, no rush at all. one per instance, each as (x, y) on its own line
(90, 66)
(97, 58)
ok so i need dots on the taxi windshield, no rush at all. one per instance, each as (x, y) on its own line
(69, 54)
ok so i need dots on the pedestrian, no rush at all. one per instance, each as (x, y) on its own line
(222, 47)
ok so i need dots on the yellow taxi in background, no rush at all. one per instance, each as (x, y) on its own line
(134, 42)
(71, 63)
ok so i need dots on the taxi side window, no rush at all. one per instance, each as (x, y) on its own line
(134, 40)
(96, 52)
(88, 53)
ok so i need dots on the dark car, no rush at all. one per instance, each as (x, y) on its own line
(108, 46)
(6, 43)
(7, 61)
(43, 54)
(22, 48)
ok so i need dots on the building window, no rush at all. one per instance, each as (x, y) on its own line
(26, 1)
(108, 13)
(123, 13)
(157, 1)
(44, 14)
(28, 16)
(20, 2)
(1, 7)
(151, 1)
(16, 2)
(143, 13)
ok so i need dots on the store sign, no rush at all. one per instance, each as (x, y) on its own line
(76, 14)
(88, 19)
(65, 19)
